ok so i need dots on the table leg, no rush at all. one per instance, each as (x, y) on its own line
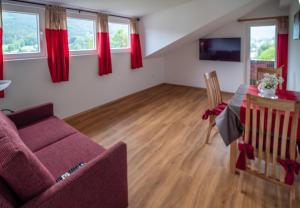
(233, 156)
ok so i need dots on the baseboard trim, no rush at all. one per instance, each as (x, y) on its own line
(180, 85)
(200, 88)
(69, 118)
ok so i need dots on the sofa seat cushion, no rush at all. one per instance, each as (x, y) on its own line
(19, 167)
(45, 132)
(68, 152)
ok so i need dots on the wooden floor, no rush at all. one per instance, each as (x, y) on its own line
(168, 165)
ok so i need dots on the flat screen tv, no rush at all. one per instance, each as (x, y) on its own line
(220, 49)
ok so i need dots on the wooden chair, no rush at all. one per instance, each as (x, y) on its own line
(261, 71)
(214, 97)
(270, 143)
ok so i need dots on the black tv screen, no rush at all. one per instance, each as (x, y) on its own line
(220, 49)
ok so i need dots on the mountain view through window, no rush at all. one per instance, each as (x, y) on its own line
(20, 33)
(81, 34)
(119, 35)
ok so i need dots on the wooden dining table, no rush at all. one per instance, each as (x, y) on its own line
(230, 122)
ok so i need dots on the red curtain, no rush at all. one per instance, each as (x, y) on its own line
(282, 56)
(58, 54)
(1, 62)
(104, 55)
(57, 43)
(136, 49)
(103, 46)
(282, 47)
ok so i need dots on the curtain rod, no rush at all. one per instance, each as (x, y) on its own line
(70, 8)
(260, 18)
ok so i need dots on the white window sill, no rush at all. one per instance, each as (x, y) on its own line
(83, 53)
(72, 54)
(43, 57)
(120, 50)
(23, 58)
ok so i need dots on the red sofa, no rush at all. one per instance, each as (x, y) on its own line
(57, 147)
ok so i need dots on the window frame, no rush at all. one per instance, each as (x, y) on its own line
(25, 9)
(124, 21)
(266, 24)
(84, 16)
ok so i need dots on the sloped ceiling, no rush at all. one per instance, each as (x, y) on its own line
(169, 29)
(129, 8)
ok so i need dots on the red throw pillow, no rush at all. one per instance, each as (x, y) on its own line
(19, 167)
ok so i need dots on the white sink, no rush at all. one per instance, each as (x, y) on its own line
(4, 84)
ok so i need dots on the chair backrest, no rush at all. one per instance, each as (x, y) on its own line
(213, 89)
(261, 71)
(269, 124)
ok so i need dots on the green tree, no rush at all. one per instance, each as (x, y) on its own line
(119, 40)
(264, 47)
(268, 54)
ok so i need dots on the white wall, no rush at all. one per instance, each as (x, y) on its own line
(31, 83)
(183, 67)
(294, 53)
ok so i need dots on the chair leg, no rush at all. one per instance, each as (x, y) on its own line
(233, 157)
(293, 197)
(208, 132)
(241, 182)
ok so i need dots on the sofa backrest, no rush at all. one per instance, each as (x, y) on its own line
(6, 121)
(8, 198)
(19, 167)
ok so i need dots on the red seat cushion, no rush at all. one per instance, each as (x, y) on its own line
(45, 132)
(215, 112)
(19, 167)
(68, 152)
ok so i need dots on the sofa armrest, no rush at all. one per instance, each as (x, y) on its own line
(30, 115)
(100, 183)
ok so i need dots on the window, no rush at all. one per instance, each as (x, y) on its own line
(22, 34)
(81, 34)
(119, 31)
(263, 44)
(262, 49)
